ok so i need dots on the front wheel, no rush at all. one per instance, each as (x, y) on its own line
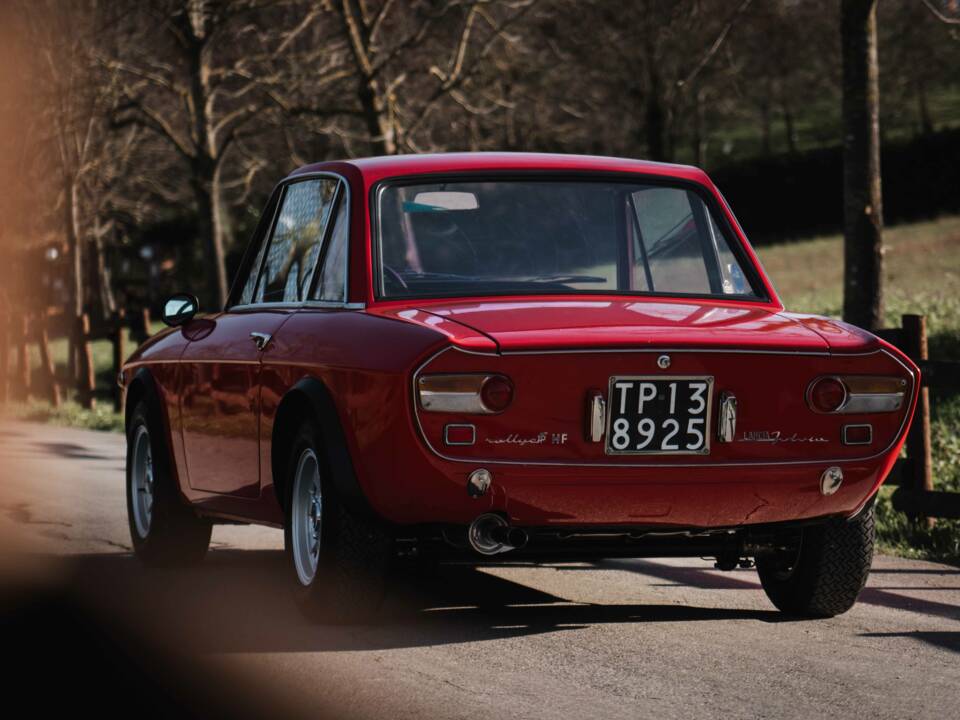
(826, 573)
(339, 559)
(163, 529)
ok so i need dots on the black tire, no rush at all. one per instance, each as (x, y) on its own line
(174, 535)
(826, 575)
(354, 554)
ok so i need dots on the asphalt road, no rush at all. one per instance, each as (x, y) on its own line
(615, 639)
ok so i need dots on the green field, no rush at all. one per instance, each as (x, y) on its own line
(922, 268)
(922, 271)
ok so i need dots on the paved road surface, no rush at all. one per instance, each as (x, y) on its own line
(616, 639)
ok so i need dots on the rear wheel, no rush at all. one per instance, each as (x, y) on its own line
(826, 573)
(339, 559)
(163, 529)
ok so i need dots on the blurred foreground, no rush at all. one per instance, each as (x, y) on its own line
(610, 639)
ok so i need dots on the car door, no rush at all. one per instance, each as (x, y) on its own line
(222, 371)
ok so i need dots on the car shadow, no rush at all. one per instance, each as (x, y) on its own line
(71, 451)
(242, 601)
(878, 595)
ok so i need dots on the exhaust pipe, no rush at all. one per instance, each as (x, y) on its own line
(491, 534)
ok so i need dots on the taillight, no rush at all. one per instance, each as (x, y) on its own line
(474, 393)
(850, 394)
(496, 393)
(827, 395)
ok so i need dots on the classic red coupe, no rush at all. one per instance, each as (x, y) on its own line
(513, 358)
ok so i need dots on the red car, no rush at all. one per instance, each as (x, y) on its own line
(513, 358)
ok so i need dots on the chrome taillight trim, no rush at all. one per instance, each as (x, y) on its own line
(452, 401)
(871, 403)
(858, 403)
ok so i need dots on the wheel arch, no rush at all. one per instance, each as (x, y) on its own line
(311, 399)
(143, 386)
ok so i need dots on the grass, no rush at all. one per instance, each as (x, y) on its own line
(922, 274)
(70, 414)
(102, 416)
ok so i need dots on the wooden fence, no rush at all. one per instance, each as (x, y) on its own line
(913, 475)
(19, 332)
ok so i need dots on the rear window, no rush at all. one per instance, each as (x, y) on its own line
(515, 236)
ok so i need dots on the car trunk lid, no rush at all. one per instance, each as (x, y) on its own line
(539, 325)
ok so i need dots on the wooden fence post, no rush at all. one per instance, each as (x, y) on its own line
(23, 360)
(918, 441)
(118, 356)
(86, 380)
(144, 325)
(4, 356)
(46, 360)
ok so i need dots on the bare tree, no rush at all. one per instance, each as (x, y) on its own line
(197, 86)
(409, 58)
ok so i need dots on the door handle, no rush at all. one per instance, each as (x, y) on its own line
(261, 340)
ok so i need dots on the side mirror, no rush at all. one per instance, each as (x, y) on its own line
(180, 309)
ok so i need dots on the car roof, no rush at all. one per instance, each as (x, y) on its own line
(376, 168)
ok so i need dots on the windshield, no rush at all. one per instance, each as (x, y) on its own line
(513, 236)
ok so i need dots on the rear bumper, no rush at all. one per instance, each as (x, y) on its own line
(698, 498)
(708, 498)
(683, 497)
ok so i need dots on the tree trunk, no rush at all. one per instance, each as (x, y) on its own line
(862, 206)
(655, 116)
(655, 121)
(697, 139)
(789, 128)
(376, 117)
(72, 221)
(104, 277)
(206, 186)
(765, 128)
(209, 230)
(923, 107)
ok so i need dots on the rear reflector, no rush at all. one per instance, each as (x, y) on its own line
(459, 434)
(857, 434)
(496, 393)
(827, 395)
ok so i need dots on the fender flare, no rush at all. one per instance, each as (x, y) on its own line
(339, 461)
(143, 386)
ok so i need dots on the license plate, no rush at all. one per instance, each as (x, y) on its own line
(659, 415)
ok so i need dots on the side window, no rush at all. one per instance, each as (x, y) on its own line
(250, 285)
(262, 239)
(683, 250)
(294, 248)
(333, 279)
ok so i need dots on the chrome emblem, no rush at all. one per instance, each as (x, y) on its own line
(727, 427)
(663, 362)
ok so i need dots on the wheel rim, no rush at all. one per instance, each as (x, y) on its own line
(142, 482)
(307, 516)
